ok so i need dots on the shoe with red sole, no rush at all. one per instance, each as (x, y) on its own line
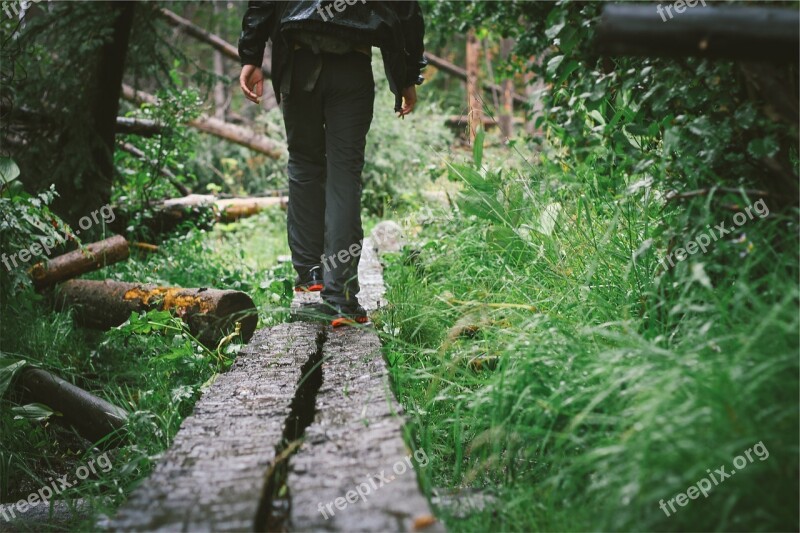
(347, 315)
(311, 282)
(337, 315)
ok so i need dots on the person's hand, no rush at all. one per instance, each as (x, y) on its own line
(251, 80)
(409, 100)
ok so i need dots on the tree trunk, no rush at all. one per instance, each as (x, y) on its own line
(506, 121)
(474, 100)
(93, 417)
(94, 189)
(70, 265)
(220, 96)
(209, 313)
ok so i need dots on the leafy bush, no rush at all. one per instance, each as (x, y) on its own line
(25, 221)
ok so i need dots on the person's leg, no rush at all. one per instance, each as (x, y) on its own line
(305, 134)
(348, 98)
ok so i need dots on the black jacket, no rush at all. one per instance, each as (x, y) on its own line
(396, 27)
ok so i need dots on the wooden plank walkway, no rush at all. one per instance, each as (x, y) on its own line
(304, 420)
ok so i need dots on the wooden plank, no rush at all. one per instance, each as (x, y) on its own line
(212, 476)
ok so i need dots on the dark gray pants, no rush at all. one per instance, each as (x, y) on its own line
(327, 112)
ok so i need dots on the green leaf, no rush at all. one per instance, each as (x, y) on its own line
(33, 411)
(595, 114)
(7, 370)
(553, 64)
(471, 177)
(9, 171)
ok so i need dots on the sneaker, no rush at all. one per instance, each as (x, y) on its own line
(344, 314)
(311, 282)
(337, 314)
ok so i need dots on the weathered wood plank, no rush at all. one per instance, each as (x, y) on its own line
(212, 476)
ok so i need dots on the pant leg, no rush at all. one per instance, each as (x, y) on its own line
(305, 134)
(348, 98)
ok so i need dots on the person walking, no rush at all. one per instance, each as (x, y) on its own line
(322, 76)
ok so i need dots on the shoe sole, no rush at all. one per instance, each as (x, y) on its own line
(310, 288)
(343, 321)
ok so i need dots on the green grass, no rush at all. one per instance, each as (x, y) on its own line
(157, 377)
(574, 381)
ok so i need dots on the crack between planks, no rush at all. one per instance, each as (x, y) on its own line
(274, 504)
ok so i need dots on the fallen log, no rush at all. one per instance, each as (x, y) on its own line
(147, 247)
(214, 126)
(232, 209)
(93, 417)
(767, 34)
(226, 209)
(209, 313)
(142, 127)
(67, 266)
(44, 515)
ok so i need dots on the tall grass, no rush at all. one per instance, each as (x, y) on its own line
(548, 360)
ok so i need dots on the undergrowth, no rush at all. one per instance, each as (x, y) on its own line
(150, 366)
(552, 366)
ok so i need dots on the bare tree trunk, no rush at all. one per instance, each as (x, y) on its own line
(506, 121)
(93, 188)
(534, 89)
(474, 100)
(220, 98)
